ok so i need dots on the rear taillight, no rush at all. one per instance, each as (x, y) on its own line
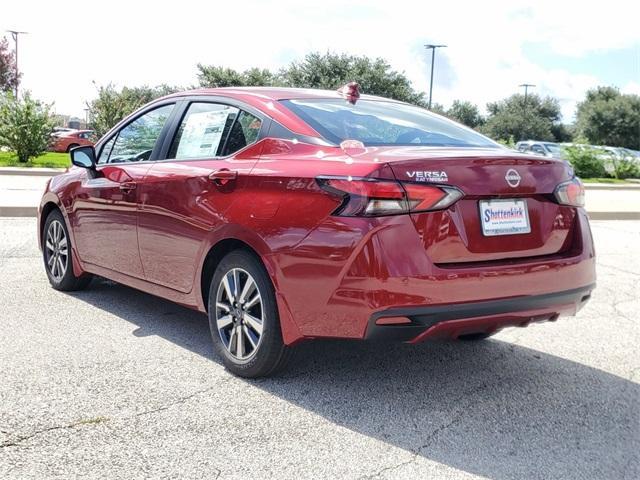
(372, 197)
(570, 193)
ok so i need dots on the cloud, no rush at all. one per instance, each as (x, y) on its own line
(631, 88)
(72, 43)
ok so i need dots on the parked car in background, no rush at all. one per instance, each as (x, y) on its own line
(292, 214)
(620, 153)
(546, 149)
(57, 131)
(68, 140)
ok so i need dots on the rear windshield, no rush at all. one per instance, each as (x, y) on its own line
(378, 123)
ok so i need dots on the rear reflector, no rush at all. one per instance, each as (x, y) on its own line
(372, 197)
(570, 193)
(393, 321)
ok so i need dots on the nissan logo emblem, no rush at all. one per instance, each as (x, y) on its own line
(512, 177)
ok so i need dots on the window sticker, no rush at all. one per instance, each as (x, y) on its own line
(202, 134)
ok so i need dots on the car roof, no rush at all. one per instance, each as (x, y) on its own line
(74, 132)
(274, 93)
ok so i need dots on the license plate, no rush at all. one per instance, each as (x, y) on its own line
(504, 217)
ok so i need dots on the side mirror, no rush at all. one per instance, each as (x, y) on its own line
(84, 156)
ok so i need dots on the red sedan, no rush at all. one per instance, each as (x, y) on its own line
(289, 214)
(66, 141)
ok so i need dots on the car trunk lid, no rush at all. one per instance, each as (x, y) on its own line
(455, 236)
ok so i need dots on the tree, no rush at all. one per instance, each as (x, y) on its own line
(536, 118)
(438, 108)
(607, 117)
(330, 71)
(466, 113)
(213, 77)
(113, 105)
(9, 78)
(316, 70)
(25, 125)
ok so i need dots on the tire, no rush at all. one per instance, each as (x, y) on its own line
(474, 337)
(56, 254)
(245, 327)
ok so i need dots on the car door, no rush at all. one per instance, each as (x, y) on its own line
(105, 211)
(187, 195)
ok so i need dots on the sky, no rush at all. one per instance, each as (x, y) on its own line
(563, 47)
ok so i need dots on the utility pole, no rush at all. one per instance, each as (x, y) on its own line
(14, 35)
(526, 90)
(433, 54)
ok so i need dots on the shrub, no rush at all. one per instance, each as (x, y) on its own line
(625, 168)
(586, 162)
(112, 105)
(25, 126)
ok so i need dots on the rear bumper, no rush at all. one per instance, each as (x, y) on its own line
(354, 269)
(451, 321)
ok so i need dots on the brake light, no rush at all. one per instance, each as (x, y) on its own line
(372, 197)
(570, 193)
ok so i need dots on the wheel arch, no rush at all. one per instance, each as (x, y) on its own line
(247, 241)
(49, 203)
(46, 209)
(215, 254)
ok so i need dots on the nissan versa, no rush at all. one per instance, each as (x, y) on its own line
(290, 214)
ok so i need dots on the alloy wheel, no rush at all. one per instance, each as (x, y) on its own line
(239, 313)
(56, 250)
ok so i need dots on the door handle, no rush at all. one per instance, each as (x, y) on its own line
(127, 186)
(223, 176)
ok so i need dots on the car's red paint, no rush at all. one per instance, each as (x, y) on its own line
(331, 274)
(66, 141)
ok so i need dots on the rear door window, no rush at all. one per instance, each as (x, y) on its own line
(210, 130)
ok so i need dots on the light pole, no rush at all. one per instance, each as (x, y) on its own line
(14, 35)
(526, 90)
(433, 54)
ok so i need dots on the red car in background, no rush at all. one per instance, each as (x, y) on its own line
(290, 214)
(64, 142)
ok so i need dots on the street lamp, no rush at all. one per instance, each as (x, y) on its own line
(433, 54)
(14, 35)
(526, 90)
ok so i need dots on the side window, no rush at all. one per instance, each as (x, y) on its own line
(106, 151)
(212, 130)
(537, 149)
(135, 142)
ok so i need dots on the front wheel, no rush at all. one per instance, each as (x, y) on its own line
(243, 317)
(56, 253)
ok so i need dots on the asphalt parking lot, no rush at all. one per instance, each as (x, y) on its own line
(114, 383)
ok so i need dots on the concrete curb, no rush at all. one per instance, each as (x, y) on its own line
(32, 171)
(33, 211)
(18, 211)
(611, 186)
(614, 215)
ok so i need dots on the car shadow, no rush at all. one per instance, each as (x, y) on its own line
(491, 408)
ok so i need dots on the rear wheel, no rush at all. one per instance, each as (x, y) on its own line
(56, 253)
(243, 317)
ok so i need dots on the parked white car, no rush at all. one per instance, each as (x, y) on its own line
(545, 149)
